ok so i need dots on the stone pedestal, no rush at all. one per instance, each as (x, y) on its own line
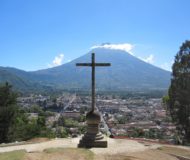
(93, 138)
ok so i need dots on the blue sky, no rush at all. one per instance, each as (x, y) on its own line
(37, 34)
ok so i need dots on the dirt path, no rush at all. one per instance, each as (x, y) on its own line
(38, 147)
(114, 146)
(117, 146)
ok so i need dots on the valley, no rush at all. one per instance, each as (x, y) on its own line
(135, 117)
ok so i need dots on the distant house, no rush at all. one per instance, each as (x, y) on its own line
(32, 115)
(70, 114)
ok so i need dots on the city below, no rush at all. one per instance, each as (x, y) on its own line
(126, 117)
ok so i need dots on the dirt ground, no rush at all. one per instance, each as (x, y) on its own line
(118, 149)
(77, 154)
(61, 154)
(114, 146)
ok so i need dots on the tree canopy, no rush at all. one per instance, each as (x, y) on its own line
(7, 110)
(179, 92)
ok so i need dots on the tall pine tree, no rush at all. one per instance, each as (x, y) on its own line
(179, 92)
(7, 110)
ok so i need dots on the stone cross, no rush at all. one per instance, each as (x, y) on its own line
(93, 65)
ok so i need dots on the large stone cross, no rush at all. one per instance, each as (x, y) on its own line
(93, 138)
(93, 65)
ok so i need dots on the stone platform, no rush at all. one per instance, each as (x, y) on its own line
(91, 140)
(93, 137)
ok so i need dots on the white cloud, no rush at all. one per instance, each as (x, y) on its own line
(167, 66)
(149, 59)
(57, 60)
(123, 46)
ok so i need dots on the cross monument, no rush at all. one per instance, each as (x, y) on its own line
(93, 138)
(93, 65)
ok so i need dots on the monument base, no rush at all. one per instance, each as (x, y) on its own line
(93, 140)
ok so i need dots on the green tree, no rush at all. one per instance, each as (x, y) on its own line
(62, 132)
(179, 91)
(7, 110)
(36, 109)
(18, 130)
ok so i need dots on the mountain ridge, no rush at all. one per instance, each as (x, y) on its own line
(125, 72)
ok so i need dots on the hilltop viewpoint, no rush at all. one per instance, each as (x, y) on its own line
(66, 149)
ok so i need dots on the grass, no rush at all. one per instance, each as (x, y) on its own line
(50, 154)
(14, 155)
(71, 153)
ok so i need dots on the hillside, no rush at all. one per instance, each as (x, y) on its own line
(22, 81)
(19, 83)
